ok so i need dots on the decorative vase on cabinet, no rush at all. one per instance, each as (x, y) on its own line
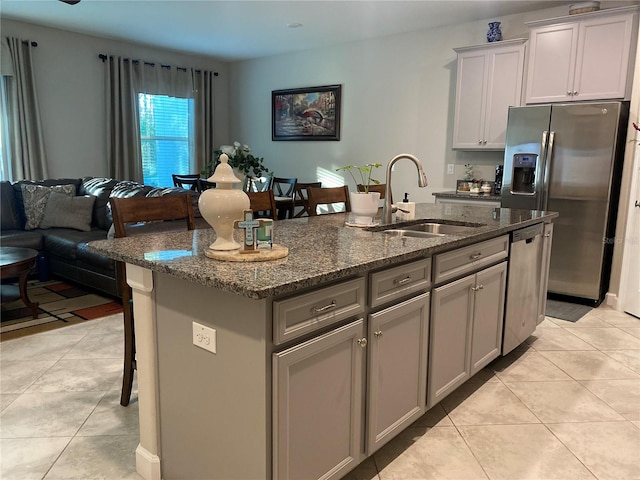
(494, 34)
(222, 205)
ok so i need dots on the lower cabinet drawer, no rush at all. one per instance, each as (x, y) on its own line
(302, 314)
(394, 283)
(450, 265)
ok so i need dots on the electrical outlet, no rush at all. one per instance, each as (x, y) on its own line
(204, 337)
(450, 169)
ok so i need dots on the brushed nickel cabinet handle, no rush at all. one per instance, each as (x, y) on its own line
(362, 342)
(475, 256)
(378, 333)
(333, 304)
(403, 281)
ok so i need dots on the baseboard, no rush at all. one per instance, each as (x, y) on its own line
(147, 464)
(612, 300)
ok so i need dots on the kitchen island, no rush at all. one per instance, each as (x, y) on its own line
(298, 386)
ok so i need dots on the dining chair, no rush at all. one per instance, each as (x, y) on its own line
(204, 184)
(380, 187)
(327, 196)
(257, 184)
(263, 204)
(138, 211)
(284, 192)
(301, 197)
(190, 181)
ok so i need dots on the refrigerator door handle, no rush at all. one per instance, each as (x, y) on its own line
(548, 157)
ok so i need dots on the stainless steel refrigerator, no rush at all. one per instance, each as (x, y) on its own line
(567, 158)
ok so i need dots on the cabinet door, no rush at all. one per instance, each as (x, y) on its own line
(398, 343)
(451, 310)
(506, 66)
(603, 58)
(317, 406)
(488, 316)
(468, 127)
(547, 240)
(552, 63)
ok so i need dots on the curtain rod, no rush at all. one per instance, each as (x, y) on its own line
(104, 58)
(33, 44)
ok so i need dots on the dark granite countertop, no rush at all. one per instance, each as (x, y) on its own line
(468, 196)
(321, 249)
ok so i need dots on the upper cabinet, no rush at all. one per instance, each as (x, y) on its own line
(587, 56)
(489, 81)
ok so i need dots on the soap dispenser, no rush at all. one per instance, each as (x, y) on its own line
(408, 207)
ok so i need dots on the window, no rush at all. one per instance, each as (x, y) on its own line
(166, 138)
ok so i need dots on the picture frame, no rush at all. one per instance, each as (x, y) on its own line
(311, 113)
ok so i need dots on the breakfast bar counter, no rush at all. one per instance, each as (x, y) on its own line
(262, 370)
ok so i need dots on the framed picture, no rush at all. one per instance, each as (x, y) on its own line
(306, 113)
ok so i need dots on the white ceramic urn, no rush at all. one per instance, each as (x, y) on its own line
(222, 205)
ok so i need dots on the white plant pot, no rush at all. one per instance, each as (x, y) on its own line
(364, 206)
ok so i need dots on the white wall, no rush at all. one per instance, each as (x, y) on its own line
(398, 96)
(70, 88)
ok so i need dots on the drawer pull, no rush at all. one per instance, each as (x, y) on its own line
(475, 256)
(378, 334)
(478, 287)
(403, 281)
(333, 304)
(362, 342)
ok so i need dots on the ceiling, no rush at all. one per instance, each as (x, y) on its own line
(243, 29)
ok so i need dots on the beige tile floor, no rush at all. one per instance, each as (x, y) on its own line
(565, 405)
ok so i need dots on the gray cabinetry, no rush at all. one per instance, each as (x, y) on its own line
(466, 329)
(317, 405)
(397, 369)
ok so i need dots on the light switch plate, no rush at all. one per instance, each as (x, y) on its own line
(204, 337)
(449, 168)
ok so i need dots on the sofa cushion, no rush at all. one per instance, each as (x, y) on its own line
(35, 201)
(10, 218)
(63, 242)
(100, 188)
(68, 212)
(20, 238)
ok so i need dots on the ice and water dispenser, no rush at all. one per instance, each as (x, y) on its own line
(524, 173)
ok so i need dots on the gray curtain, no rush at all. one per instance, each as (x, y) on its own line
(25, 143)
(124, 80)
(203, 122)
(124, 159)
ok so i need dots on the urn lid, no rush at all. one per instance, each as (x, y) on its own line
(224, 172)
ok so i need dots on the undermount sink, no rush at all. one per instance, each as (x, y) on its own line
(431, 229)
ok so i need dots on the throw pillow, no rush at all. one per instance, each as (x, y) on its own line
(35, 200)
(68, 212)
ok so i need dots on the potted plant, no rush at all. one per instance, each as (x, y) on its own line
(240, 159)
(365, 204)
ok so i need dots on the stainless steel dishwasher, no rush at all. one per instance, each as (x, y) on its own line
(523, 286)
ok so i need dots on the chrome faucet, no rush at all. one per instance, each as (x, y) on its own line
(422, 182)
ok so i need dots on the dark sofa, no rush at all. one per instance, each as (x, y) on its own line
(63, 251)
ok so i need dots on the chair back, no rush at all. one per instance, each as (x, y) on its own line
(284, 187)
(381, 188)
(257, 184)
(150, 209)
(327, 196)
(301, 196)
(190, 181)
(263, 204)
(205, 184)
